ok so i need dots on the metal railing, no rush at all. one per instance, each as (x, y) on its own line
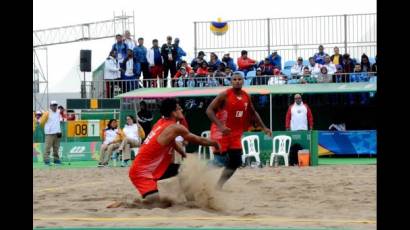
(292, 37)
(112, 88)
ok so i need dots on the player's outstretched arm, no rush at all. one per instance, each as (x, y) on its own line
(190, 137)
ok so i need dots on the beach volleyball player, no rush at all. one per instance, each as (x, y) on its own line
(231, 113)
(155, 155)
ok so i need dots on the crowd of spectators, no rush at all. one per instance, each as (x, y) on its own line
(129, 59)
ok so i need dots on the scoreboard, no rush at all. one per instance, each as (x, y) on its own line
(86, 128)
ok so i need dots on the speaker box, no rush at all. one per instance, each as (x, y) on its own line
(85, 60)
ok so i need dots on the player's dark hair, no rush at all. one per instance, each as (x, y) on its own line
(168, 106)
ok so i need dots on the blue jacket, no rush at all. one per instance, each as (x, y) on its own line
(215, 65)
(120, 49)
(180, 53)
(276, 62)
(140, 54)
(231, 64)
(320, 58)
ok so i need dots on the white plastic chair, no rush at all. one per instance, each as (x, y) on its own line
(253, 148)
(282, 150)
(202, 149)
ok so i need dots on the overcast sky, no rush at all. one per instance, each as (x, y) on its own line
(157, 19)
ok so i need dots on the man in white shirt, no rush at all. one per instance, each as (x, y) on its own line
(331, 68)
(297, 68)
(128, 40)
(299, 115)
(51, 122)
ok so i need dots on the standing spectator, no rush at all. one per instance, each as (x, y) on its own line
(214, 61)
(169, 55)
(336, 58)
(110, 143)
(229, 62)
(365, 64)
(197, 62)
(51, 122)
(266, 67)
(111, 73)
(155, 61)
(130, 72)
(245, 64)
(331, 68)
(297, 68)
(299, 115)
(276, 60)
(144, 117)
(120, 48)
(320, 56)
(130, 42)
(140, 54)
(180, 52)
(63, 115)
(347, 64)
(132, 134)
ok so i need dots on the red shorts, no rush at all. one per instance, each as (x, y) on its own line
(231, 141)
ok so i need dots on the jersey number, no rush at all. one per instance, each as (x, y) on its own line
(239, 113)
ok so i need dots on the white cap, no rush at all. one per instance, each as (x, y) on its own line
(53, 103)
(38, 112)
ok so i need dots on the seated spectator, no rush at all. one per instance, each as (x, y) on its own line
(179, 79)
(331, 68)
(324, 77)
(277, 78)
(245, 64)
(131, 134)
(228, 75)
(191, 80)
(186, 66)
(203, 70)
(130, 42)
(365, 63)
(111, 73)
(120, 48)
(314, 68)
(320, 56)
(276, 60)
(307, 78)
(111, 141)
(197, 62)
(347, 64)
(219, 74)
(229, 62)
(297, 68)
(214, 61)
(129, 69)
(358, 76)
(266, 67)
(339, 76)
(259, 79)
(211, 80)
(336, 58)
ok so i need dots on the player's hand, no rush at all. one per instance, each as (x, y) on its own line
(267, 132)
(183, 154)
(216, 145)
(225, 130)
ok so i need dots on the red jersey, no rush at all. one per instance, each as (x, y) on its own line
(234, 114)
(153, 159)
